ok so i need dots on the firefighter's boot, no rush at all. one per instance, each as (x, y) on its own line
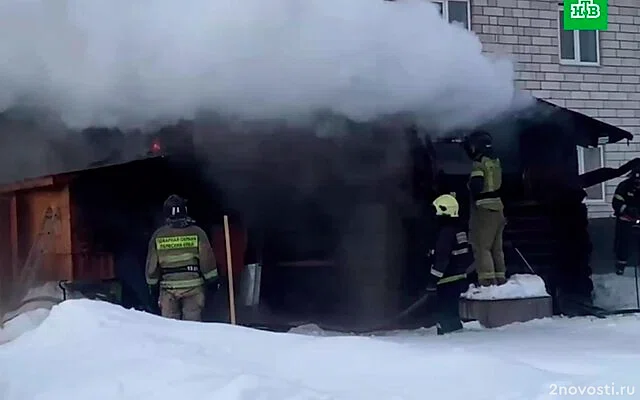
(449, 326)
(487, 282)
(620, 266)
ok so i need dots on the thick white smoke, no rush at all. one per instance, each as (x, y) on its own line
(120, 62)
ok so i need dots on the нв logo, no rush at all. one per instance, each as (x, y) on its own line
(585, 9)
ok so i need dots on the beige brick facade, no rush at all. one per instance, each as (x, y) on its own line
(608, 89)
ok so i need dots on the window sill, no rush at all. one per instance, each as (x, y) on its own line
(580, 63)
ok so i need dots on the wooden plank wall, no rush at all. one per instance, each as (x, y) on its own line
(88, 262)
(6, 251)
(31, 208)
(73, 257)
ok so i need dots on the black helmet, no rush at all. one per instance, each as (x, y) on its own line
(175, 207)
(478, 143)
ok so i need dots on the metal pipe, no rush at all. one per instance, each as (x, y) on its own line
(525, 260)
(637, 292)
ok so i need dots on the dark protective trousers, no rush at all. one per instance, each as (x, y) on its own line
(448, 317)
(627, 236)
(184, 304)
(485, 235)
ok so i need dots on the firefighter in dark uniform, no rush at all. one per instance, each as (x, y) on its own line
(180, 264)
(626, 207)
(486, 214)
(451, 258)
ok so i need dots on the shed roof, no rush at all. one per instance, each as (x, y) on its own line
(64, 177)
(584, 130)
(588, 131)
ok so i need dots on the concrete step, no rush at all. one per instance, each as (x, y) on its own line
(499, 312)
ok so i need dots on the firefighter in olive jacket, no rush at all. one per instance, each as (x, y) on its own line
(180, 263)
(626, 207)
(486, 214)
(451, 259)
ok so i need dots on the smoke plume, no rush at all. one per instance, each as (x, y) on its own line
(125, 63)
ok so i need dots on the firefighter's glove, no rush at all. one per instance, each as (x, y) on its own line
(631, 212)
(213, 284)
(430, 257)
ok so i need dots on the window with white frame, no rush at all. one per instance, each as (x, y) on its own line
(455, 11)
(578, 47)
(589, 159)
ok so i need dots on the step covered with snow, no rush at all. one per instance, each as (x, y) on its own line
(522, 298)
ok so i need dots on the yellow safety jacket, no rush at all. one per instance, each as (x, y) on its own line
(180, 258)
(490, 170)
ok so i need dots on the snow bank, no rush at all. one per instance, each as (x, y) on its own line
(22, 323)
(613, 292)
(517, 287)
(313, 330)
(114, 63)
(111, 353)
(44, 296)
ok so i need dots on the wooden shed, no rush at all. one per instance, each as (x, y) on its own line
(23, 212)
(306, 198)
(103, 218)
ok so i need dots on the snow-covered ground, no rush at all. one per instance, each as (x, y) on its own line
(22, 323)
(614, 292)
(94, 350)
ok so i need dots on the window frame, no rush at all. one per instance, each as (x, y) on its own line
(576, 45)
(445, 11)
(581, 170)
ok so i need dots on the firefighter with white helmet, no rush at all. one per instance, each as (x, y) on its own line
(451, 258)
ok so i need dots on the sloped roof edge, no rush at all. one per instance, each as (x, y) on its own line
(591, 132)
(62, 177)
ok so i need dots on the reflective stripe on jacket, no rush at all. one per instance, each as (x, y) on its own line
(626, 195)
(490, 171)
(180, 258)
(452, 255)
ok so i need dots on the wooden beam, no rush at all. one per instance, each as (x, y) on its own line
(27, 184)
(64, 179)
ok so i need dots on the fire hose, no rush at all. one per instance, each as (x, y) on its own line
(425, 298)
(386, 325)
(390, 323)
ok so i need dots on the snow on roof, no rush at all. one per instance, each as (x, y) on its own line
(519, 286)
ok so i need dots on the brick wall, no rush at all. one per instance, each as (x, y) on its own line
(528, 30)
